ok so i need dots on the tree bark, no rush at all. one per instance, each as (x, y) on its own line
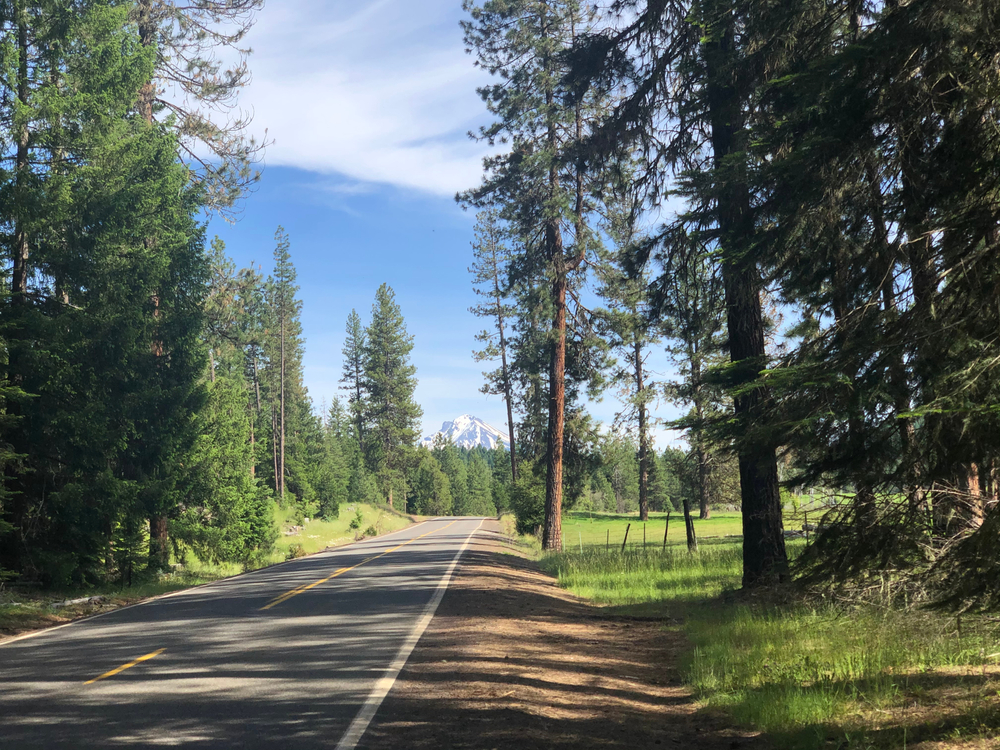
(701, 455)
(643, 435)
(508, 394)
(19, 276)
(147, 37)
(765, 560)
(281, 427)
(557, 403)
(159, 543)
(552, 535)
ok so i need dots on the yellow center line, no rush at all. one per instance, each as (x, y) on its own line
(305, 587)
(123, 667)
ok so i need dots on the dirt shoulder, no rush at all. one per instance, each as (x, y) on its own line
(512, 661)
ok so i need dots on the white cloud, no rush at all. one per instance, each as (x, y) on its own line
(379, 91)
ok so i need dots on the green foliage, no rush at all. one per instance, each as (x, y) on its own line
(389, 381)
(227, 516)
(478, 498)
(431, 488)
(527, 500)
(358, 519)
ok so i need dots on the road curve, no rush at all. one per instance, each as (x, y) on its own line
(296, 655)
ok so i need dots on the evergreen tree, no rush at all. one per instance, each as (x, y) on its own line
(489, 269)
(194, 93)
(627, 326)
(478, 500)
(704, 49)
(431, 487)
(353, 377)
(286, 356)
(541, 184)
(389, 381)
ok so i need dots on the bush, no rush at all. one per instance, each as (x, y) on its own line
(358, 519)
(295, 551)
(527, 500)
(371, 531)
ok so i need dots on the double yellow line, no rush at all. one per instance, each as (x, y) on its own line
(340, 571)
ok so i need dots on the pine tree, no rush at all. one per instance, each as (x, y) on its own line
(431, 487)
(489, 270)
(390, 382)
(626, 323)
(353, 377)
(541, 184)
(697, 48)
(287, 357)
(192, 90)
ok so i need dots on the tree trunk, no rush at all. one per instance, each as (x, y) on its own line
(508, 394)
(701, 455)
(765, 560)
(147, 37)
(159, 543)
(19, 276)
(281, 388)
(274, 446)
(552, 536)
(557, 403)
(643, 436)
(253, 417)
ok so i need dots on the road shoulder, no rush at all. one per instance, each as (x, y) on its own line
(513, 661)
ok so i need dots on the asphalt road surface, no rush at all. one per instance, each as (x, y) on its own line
(297, 655)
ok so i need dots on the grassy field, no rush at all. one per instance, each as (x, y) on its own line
(601, 530)
(28, 609)
(810, 674)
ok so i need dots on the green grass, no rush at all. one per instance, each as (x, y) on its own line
(319, 534)
(811, 674)
(601, 530)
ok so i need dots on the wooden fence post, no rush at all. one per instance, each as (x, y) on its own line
(626, 537)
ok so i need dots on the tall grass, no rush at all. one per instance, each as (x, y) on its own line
(808, 672)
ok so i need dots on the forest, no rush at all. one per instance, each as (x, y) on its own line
(152, 403)
(794, 203)
(798, 202)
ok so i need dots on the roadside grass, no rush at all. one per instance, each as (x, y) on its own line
(319, 534)
(810, 673)
(23, 609)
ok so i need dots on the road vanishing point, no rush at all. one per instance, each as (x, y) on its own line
(299, 654)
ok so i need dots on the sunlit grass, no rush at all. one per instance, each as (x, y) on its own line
(607, 530)
(810, 673)
(319, 534)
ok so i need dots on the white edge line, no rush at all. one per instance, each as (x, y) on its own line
(189, 589)
(360, 724)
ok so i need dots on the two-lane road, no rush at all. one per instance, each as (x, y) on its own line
(296, 655)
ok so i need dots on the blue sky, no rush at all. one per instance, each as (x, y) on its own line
(368, 105)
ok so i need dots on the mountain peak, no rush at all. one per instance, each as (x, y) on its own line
(467, 431)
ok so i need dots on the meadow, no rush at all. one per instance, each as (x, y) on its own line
(607, 530)
(811, 672)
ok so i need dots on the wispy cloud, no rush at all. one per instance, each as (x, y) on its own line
(379, 91)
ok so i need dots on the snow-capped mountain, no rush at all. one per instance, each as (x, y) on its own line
(468, 431)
